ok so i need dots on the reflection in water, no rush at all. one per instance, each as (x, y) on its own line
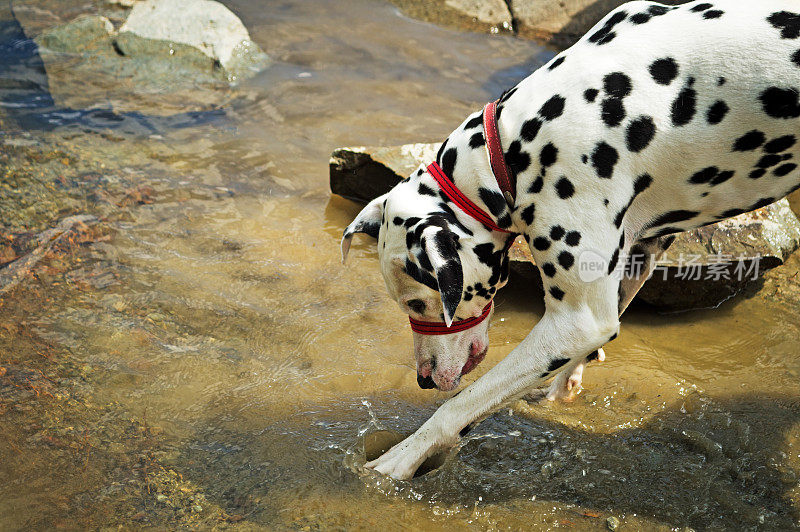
(234, 352)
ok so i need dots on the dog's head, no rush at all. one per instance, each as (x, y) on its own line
(439, 266)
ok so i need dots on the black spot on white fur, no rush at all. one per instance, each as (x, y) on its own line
(717, 112)
(780, 102)
(784, 169)
(672, 217)
(477, 140)
(541, 243)
(701, 7)
(617, 85)
(516, 158)
(474, 122)
(530, 129)
(639, 133)
(527, 213)
(564, 188)
(573, 238)
(749, 141)
(548, 155)
(664, 70)
(558, 362)
(493, 199)
(612, 111)
(780, 144)
(787, 22)
(566, 260)
(448, 162)
(685, 105)
(552, 108)
(606, 34)
(555, 64)
(604, 157)
(557, 293)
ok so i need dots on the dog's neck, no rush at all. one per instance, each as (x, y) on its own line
(472, 173)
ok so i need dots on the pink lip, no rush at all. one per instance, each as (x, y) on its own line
(473, 361)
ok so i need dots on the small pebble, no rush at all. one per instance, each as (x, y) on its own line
(612, 523)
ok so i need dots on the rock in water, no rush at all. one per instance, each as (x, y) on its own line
(203, 24)
(149, 68)
(364, 173)
(82, 34)
(487, 11)
(708, 265)
(702, 268)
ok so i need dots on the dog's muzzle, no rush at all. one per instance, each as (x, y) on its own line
(440, 327)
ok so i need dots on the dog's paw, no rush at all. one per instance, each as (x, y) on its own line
(401, 461)
(418, 451)
(564, 392)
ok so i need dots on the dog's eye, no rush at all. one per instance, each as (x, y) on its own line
(416, 305)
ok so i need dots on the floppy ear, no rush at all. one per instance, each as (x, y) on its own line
(368, 221)
(441, 246)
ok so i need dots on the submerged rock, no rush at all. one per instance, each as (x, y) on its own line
(169, 57)
(702, 268)
(205, 25)
(85, 33)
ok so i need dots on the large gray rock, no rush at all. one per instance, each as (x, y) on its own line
(202, 24)
(154, 67)
(363, 173)
(702, 268)
(89, 66)
(708, 265)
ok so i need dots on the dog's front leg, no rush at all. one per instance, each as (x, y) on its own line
(556, 341)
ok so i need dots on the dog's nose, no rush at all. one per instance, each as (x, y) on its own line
(426, 383)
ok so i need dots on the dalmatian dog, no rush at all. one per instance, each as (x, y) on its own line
(659, 120)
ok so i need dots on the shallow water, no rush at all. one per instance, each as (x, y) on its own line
(233, 364)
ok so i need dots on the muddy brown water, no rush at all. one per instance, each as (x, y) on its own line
(227, 373)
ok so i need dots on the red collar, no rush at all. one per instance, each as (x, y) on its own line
(505, 179)
(438, 327)
(465, 204)
(497, 160)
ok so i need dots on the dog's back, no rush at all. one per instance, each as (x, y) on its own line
(666, 118)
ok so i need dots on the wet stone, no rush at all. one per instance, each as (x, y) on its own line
(709, 265)
(167, 57)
